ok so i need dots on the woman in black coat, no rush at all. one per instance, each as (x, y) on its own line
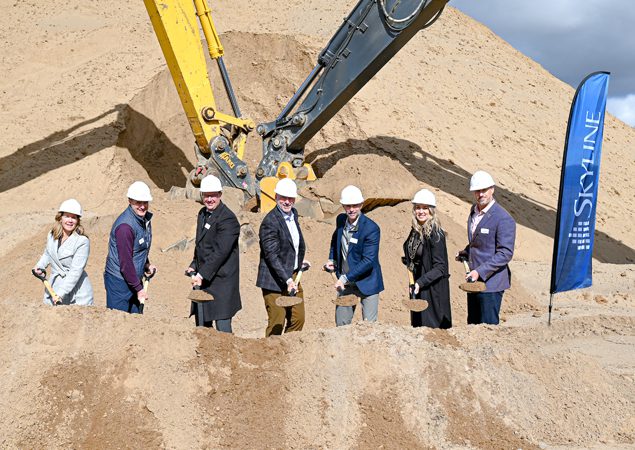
(426, 256)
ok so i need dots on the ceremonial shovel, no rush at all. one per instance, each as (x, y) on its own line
(56, 298)
(292, 299)
(471, 285)
(414, 304)
(198, 297)
(342, 300)
(197, 294)
(146, 281)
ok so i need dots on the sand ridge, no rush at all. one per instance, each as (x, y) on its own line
(456, 99)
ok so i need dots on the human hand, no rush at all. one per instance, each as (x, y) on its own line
(329, 266)
(142, 295)
(292, 286)
(461, 255)
(339, 285)
(197, 280)
(472, 276)
(150, 270)
(38, 271)
(306, 265)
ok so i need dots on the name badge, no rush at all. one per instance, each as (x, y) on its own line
(353, 241)
(207, 226)
(141, 241)
(485, 230)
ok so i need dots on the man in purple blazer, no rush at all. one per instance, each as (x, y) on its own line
(491, 233)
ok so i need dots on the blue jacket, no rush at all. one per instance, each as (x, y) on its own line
(491, 247)
(141, 245)
(363, 255)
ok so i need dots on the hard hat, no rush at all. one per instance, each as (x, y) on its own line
(287, 188)
(211, 184)
(71, 206)
(424, 197)
(351, 195)
(481, 180)
(140, 192)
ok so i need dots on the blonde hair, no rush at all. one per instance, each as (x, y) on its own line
(433, 224)
(57, 229)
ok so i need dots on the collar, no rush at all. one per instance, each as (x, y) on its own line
(286, 216)
(352, 226)
(142, 220)
(486, 209)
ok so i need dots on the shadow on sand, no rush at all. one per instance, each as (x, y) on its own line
(165, 163)
(452, 179)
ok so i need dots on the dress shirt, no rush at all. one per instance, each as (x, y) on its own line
(289, 219)
(477, 216)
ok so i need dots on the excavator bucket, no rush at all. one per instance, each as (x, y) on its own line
(376, 202)
(301, 175)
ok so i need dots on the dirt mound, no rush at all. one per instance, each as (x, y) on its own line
(456, 99)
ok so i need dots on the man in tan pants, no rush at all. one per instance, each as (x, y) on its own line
(281, 256)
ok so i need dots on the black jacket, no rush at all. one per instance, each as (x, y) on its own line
(277, 255)
(431, 273)
(216, 259)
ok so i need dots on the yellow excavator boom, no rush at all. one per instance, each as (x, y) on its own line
(218, 135)
(373, 32)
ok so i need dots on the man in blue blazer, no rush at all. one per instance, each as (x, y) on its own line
(354, 255)
(491, 233)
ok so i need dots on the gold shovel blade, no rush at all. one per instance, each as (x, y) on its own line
(415, 305)
(346, 300)
(286, 301)
(475, 286)
(200, 296)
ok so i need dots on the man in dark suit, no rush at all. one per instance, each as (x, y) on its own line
(282, 251)
(491, 234)
(215, 267)
(354, 255)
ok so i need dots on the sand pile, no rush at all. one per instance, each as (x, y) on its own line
(455, 99)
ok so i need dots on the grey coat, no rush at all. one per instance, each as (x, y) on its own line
(68, 278)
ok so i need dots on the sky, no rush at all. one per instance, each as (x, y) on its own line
(570, 39)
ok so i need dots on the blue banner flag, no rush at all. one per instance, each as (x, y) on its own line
(575, 221)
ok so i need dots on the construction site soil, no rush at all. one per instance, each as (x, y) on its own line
(88, 106)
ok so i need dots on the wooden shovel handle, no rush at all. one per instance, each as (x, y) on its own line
(466, 265)
(56, 298)
(298, 277)
(411, 278)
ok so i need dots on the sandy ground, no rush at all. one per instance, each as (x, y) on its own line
(87, 107)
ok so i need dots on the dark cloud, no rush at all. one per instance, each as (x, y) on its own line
(569, 38)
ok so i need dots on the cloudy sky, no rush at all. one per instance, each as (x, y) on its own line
(570, 38)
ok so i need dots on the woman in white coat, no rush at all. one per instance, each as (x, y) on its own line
(67, 250)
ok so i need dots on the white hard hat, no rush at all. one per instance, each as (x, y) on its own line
(211, 184)
(481, 180)
(71, 206)
(287, 188)
(140, 192)
(424, 197)
(351, 195)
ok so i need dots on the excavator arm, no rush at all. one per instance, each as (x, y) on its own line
(367, 39)
(220, 138)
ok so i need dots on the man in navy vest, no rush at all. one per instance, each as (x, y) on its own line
(354, 255)
(128, 249)
(491, 234)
